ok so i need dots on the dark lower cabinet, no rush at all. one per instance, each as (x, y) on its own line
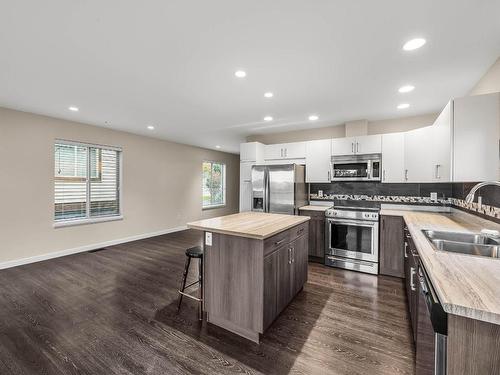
(271, 283)
(425, 348)
(412, 285)
(391, 247)
(299, 258)
(316, 233)
(285, 271)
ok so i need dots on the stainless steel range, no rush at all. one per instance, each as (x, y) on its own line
(352, 238)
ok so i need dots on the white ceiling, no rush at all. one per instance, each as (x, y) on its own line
(128, 64)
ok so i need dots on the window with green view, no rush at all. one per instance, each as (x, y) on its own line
(214, 184)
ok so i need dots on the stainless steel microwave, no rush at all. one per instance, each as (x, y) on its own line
(357, 167)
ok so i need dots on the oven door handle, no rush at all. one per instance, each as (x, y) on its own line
(359, 223)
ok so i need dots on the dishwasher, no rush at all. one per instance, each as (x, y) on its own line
(432, 329)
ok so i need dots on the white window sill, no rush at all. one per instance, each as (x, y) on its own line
(94, 220)
(213, 207)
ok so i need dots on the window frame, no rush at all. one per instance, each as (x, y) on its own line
(218, 205)
(88, 219)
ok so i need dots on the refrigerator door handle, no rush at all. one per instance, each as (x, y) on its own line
(264, 195)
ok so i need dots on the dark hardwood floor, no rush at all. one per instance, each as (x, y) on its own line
(114, 312)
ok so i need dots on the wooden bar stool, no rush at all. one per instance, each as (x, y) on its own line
(193, 252)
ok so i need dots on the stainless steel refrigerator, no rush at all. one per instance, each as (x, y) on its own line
(279, 189)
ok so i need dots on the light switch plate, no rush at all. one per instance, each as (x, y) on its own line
(208, 238)
(434, 197)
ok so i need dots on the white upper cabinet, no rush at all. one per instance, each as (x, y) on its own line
(393, 166)
(318, 158)
(252, 151)
(343, 146)
(428, 153)
(418, 158)
(476, 123)
(367, 144)
(441, 145)
(282, 151)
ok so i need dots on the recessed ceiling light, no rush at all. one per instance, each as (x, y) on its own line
(73, 108)
(151, 127)
(268, 94)
(403, 106)
(406, 88)
(268, 118)
(217, 146)
(240, 74)
(313, 118)
(414, 44)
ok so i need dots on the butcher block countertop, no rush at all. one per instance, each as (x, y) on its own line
(466, 285)
(257, 225)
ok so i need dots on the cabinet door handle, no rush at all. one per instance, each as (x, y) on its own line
(412, 284)
(281, 152)
(279, 242)
(293, 255)
(406, 174)
(289, 255)
(437, 171)
(383, 175)
(352, 147)
(357, 146)
(328, 176)
(286, 152)
(406, 252)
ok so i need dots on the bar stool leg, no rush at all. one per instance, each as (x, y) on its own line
(200, 279)
(183, 283)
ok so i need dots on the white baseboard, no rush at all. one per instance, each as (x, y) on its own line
(61, 253)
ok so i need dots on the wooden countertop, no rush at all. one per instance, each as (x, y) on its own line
(466, 285)
(257, 225)
(314, 208)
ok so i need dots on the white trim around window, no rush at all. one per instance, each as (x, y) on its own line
(88, 219)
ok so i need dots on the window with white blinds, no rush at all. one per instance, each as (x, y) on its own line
(86, 182)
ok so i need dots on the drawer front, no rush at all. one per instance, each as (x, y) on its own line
(312, 213)
(299, 230)
(273, 243)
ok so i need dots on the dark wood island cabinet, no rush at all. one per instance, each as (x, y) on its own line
(254, 265)
(316, 234)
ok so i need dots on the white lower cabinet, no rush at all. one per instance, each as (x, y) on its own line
(393, 157)
(318, 161)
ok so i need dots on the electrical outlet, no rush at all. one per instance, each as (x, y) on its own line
(208, 238)
(434, 197)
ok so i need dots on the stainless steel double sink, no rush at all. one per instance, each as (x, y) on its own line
(465, 243)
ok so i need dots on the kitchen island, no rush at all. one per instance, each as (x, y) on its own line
(254, 265)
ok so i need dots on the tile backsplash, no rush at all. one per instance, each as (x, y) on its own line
(447, 194)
